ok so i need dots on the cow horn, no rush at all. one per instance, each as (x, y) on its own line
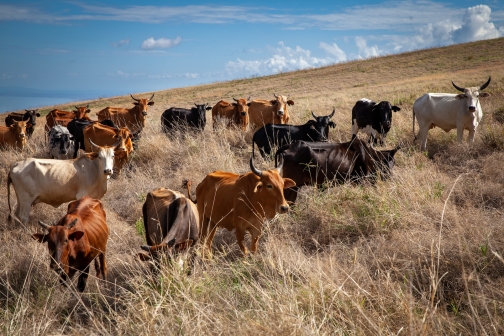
(275, 95)
(92, 143)
(313, 114)
(483, 87)
(87, 106)
(254, 169)
(134, 97)
(458, 87)
(249, 98)
(117, 143)
(77, 108)
(44, 225)
(145, 248)
(236, 100)
(279, 168)
(151, 97)
(195, 104)
(331, 115)
(71, 225)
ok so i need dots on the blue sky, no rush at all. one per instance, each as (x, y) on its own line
(104, 48)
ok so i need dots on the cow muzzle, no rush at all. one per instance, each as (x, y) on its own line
(284, 209)
(280, 113)
(472, 108)
(243, 114)
(144, 113)
(107, 172)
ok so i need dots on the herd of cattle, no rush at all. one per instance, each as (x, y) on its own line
(173, 222)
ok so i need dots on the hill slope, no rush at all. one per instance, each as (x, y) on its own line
(418, 253)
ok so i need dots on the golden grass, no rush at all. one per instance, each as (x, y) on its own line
(420, 253)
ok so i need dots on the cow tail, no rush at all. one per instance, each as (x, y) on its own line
(187, 184)
(414, 135)
(9, 181)
(253, 155)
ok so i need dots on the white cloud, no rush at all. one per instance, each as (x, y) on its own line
(164, 43)
(120, 43)
(476, 26)
(334, 50)
(364, 50)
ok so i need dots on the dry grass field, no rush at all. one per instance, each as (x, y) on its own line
(420, 253)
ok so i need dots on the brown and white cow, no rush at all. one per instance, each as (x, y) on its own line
(241, 202)
(55, 182)
(262, 112)
(60, 117)
(133, 118)
(78, 239)
(171, 224)
(13, 136)
(236, 113)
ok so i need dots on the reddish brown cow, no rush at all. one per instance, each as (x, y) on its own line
(14, 135)
(133, 118)
(30, 116)
(274, 111)
(79, 238)
(241, 202)
(236, 113)
(60, 117)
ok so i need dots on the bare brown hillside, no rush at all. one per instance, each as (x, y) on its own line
(420, 253)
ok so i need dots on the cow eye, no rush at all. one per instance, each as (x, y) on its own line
(270, 186)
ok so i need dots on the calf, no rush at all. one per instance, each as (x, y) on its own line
(13, 136)
(372, 118)
(61, 143)
(78, 239)
(313, 163)
(272, 135)
(236, 113)
(194, 118)
(30, 116)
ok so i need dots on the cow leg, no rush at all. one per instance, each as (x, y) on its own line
(256, 234)
(240, 237)
(472, 132)
(460, 133)
(81, 283)
(422, 136)
(103, 263)
(23, 210)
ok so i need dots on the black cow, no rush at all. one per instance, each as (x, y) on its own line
(193, 118)
(76, 127)
(30, 116)
(309, 163)
(313, 130)
(372, 118)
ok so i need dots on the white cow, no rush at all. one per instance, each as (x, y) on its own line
(449, 111)
(55, 182)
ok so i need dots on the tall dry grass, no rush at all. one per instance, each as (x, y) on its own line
(420, 253)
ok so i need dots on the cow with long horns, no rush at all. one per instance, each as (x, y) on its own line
(242, 202)
(236, 113)
(133, 118)
(448, 111)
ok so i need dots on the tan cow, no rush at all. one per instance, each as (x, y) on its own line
(241, 202)
(13, 136)
(262, 112)
(133, 118)
(236, 113)
(60, 117)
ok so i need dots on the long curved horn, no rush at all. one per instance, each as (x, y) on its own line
(92, 143)
(151, 97)
(279, 168)
(134, 98)
(44, 225)
(236, 100)
(458, 87)
(313, 114)
(254, 169)
(483, 87)
(331, 115)
(71, 225)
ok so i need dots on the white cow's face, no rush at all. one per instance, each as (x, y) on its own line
(106, 157)
(472, 95)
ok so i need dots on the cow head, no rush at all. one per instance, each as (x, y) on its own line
(384, 112)
(201, 110)
(385, 161)
(320, 127)
(61, 139)
(123, 149)
(81, 111)
(241, 111)
(142, 105)
(472, 95)
(268, 191)
(19, 129)
(60, 241)
(105, 155)
(31, 116)
(280, 103)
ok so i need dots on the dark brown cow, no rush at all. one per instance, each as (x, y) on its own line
(236, 113)
(14, 135)
(79, 238)
(171, 223)
(60, 117)
(133, 118)
(241, 202)
(309, 163)
(274, 111)
(30, 116)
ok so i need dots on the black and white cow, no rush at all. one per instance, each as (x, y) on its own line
(61, 143)
(372, 118)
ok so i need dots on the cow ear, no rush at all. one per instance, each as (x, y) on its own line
(144, 256)
(484, 94)
(461, 96)
(290, 102)
(208, 108)
(37, 114)
(76, 235)
(91, 156)
(234, 104)
(332, 124)
(288, 183)
(258, 187)
(88, 110)
(248, 104)
(150, 103)
(135, 103)
(273, 102)
(42, 238)
(396, 108)
(184, 245)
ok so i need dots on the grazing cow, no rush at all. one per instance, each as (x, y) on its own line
(55, 182)
(13, 136)
(79, 238)
(76, 127)
(61, 143)
(59, 117)
(373, 119)
(133, 118)
(262, 112)
(194, 118)
(103, 135)
(30, 116)
(236, 113)
(241, 202)
(313, 163)
(171, 224)
(448, 111)
(313, 130)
